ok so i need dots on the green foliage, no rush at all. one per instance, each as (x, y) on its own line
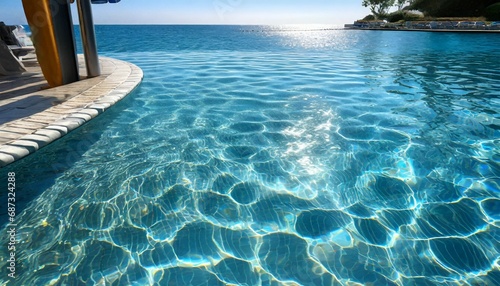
(369, 18)
(452, 8)
(402, 15)
(492, 12)
(400, 4)
(378, 8)
(395, 16)
(411, 16)
(434, 8)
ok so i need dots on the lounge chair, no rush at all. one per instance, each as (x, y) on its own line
(9, 64)
(16, 39)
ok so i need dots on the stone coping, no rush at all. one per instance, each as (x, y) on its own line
(31, 121)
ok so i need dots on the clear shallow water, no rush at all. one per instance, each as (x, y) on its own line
(275, 156)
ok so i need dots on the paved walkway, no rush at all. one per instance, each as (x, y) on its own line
(32, 115)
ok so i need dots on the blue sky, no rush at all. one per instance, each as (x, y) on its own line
(212, 12)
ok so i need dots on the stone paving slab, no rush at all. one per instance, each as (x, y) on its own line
(32, 117)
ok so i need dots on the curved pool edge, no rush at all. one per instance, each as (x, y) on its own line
(87, 99)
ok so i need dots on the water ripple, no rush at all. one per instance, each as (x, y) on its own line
(286, 157)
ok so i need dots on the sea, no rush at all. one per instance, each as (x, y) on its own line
(273, 155)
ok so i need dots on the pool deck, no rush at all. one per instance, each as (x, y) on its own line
(33, 115)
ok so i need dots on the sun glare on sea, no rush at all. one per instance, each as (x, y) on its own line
(311, 35)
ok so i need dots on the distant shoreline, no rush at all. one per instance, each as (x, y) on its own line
(457, 26)
(422, 30)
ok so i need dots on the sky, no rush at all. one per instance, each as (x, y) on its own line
(337, 12)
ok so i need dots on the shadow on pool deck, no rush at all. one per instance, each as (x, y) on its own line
(32, 115)
(28, 82)
(25, 107)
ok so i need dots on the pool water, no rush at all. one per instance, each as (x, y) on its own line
(259, 155)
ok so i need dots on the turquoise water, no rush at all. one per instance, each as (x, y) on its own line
(255, 155)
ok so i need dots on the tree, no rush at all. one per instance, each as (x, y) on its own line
(401, 3)
(378, 7)
(452, 8)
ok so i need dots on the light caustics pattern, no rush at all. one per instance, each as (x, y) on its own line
(289, 158)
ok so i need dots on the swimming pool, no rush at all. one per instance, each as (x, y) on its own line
(258, 155)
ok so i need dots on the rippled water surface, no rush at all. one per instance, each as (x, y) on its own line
(258, 155)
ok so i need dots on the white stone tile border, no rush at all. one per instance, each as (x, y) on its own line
(80, 109)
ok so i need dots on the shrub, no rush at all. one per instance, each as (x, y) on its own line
(492, 12)
(412, 15)
(382, 17)
(369, 18)
(395, 17)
